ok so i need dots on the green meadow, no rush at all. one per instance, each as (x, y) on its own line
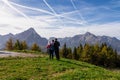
(42, 68)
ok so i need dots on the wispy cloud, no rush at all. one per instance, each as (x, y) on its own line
(32, 8)
(74, 6)
(60, 18)
(12, 7)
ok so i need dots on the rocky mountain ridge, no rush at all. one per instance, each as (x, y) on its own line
(31, 36)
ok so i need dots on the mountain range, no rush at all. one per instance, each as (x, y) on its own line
(31, 36)
(91, 39)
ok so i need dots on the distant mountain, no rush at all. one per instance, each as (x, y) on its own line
(3, 39)
(30, 36)
(91, 39)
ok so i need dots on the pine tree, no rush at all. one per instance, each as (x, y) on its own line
(102, 55)
(95, 54)
(18, 45)
(9, 44)
(86, 53)
(75, 55)
(69, 53)
(80, 50)
(64, 51)
(24, 45)
(35, 47)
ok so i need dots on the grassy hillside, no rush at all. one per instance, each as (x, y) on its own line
(41, 68)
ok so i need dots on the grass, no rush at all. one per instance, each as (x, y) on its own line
(41, 68)
(27, 51)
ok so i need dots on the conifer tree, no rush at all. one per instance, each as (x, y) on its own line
(85, 54)
(95, 54)
(75, 55)
(18, 45)
(79, 50)
(102, 55)
(35, 47)
(9, 44)
(24, 45)
(69, 53)
(65, 51)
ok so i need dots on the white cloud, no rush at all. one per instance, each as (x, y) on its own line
(48, 25)
(109, 29)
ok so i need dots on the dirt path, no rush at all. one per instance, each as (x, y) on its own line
(15, 54)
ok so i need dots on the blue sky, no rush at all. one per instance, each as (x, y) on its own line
(61, 18)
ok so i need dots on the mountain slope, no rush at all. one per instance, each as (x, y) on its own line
(3, 39)
(91, 39)
(30, 36)
(45, 69)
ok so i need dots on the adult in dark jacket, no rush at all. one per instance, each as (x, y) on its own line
(56, 48)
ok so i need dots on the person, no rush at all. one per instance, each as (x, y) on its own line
(51, 49)
(56, 48)
(48, 47)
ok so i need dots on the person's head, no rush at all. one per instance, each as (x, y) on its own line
(55, 39)
(52, 40)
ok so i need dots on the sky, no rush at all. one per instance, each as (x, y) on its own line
(61, 18)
